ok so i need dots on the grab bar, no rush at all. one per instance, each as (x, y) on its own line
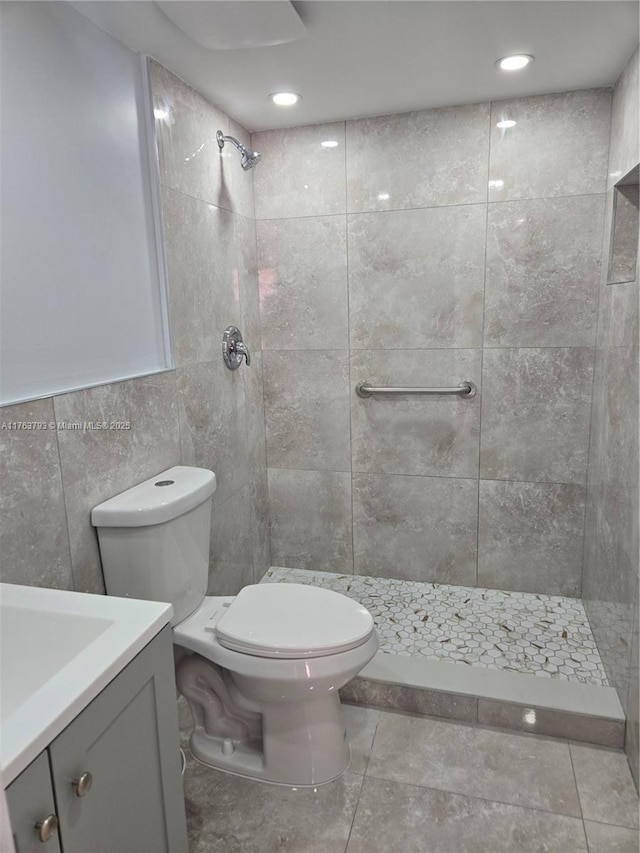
(465, 389)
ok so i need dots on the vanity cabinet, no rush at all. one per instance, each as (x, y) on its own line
(112, 777)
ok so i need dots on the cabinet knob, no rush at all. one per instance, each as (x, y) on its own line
(83, 784)
(47, 828)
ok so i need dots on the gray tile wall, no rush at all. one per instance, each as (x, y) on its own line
(427, 249)
(610, 582)
(199, 414)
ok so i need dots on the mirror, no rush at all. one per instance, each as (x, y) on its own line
(82, 275)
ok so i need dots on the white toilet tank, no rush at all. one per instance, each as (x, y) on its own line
(154, 539)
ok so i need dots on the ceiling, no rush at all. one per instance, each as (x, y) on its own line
(374, 57)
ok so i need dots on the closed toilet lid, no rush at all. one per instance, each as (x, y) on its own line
(290, 620)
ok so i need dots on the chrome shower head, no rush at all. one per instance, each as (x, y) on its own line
(249, 158)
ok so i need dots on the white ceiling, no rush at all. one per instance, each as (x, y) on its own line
(374, 57)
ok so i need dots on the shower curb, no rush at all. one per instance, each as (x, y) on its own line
(581, 712)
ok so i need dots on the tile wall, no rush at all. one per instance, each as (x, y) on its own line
(610, 585)
(431, 248)
(198, 414)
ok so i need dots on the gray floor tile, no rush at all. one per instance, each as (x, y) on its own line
(361, 726)
(605, 786)
(228, 814)
(604, 838)
(399, 818)
(520, 769)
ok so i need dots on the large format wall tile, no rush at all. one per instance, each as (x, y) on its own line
(559, 145)
(415, 528)
(213, 424)
(437, 436)
(307, 409)
(311, 520)
(625, 135)
(631, 706)
(535, 414)
(231, 547)
(241, 181)
(618, 315)
(190, 160)
(530, 537)
(543, 272)
(614, 460)
(247, 278)
(98, 464)
(611, 545)
(416, 278)
(203, 277)
(297, 175)
(260, 522)
(303, 296)
(34, 537)
(256, 448)
(419, 159)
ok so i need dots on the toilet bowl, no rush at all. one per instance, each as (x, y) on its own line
(261, 670)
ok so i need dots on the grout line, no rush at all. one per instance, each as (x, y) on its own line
(433, 206)
(482, 348)
(350, 380)
(64, 494)
(364, 777)
(578, 797)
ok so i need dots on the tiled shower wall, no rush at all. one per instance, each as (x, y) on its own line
(428, 249)
(198, 414)
(610, 585)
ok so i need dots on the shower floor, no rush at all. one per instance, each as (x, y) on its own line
(543, 635)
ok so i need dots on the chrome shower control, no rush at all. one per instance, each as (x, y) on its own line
(233, 348)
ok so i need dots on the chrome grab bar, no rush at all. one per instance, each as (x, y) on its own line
(465, 389)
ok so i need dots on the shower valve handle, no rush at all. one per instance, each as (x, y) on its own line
(234, 348)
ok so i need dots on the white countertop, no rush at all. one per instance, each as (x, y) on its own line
(58, 650)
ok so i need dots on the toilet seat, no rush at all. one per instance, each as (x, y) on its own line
(292, 621)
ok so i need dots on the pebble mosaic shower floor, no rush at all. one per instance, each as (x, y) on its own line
(544, 635)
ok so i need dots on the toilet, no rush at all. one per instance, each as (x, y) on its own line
(260, 670)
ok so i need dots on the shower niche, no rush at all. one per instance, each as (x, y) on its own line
(625, 223)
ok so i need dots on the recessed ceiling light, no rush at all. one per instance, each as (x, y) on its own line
(285, 99)
(506, 122)
(514, 63)
(330, 143)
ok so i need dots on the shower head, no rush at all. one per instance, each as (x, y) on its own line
(249, 158)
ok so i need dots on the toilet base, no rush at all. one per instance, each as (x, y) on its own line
(303, 744)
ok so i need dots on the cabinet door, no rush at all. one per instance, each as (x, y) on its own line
(30, 801)
(127, 739)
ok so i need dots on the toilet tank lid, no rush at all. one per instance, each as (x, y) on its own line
(161, 498)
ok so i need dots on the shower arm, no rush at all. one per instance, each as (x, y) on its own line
(249, 158)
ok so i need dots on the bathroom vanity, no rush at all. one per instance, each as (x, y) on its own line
(90, 756)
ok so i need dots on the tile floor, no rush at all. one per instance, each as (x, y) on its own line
(425, 785)
(544, 635)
